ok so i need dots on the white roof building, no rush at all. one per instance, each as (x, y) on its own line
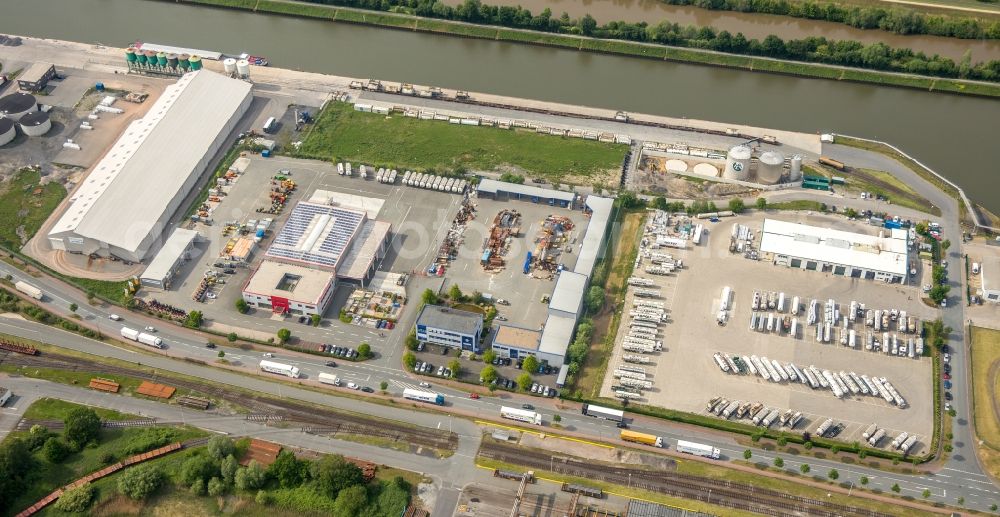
(592, 247)
(990, 273)
(288, 288)
(161, 269)
(881, 257)
(124, 204)
(567, 297)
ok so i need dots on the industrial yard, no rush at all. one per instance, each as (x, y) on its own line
(680, 302)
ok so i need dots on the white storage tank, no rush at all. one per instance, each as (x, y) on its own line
(770, 168)
(738, 163)
(7, 131)
(16, 105)
(229, 64)
(243, 68)
(36, 124)
(795, 173)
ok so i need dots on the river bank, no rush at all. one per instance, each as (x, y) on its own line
(608, 46)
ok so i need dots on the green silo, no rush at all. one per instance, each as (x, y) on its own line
(140, 57)
(195, 62)
(184, 61)
(150, 57)
(161, 58)
(130, 55)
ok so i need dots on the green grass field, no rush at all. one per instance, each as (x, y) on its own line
(341, 133)
(25, 205)
(986, 352)
(113, 445)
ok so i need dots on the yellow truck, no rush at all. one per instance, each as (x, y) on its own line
(643, 438)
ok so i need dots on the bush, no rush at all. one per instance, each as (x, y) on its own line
(194, 319)
(250, 478)
(216, 487)
(54, 450)
(736, 205)
(228, 469)
(198, 487)
(530, 364)
(524, 381)
(804, 468)
(81, 426)
(508, 177)
(409, 360)
(778, 462)
(455, 367)
(219, 447)
(761, 203)
(76, 500)
(284, 335)
(333, 473)
(595, 299)
(263, 498)
(411, 340)
(198, 468)
(232, 337)
(242, 306)
(350, 501)
(833, 474)
(364, 351)
(139, 482)
(488, 374)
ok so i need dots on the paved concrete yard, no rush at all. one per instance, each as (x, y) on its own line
(541, 499)
(522, 291)
(686, 377)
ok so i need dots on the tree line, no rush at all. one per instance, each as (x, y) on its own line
(893, 19)
(875, 56)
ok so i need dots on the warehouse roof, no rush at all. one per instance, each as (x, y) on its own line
(989, 270)
(302, 284)
(438, 316)
(517, 337)
(590, 249)
(556, 335)
(317, 234)
(366, 247)
(35, 72)
(152, 160)
(494, 186)
(638, 508)
(871, 252)
(568, 293)
(177, 244)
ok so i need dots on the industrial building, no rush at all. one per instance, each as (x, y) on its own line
(556, 337)
(450, 327)
(289, 289)
(567, 298)
(637, 508)
(882, 257)
(990, 275)
(123, 206)
(36, 77)
(17, 105)
(175, 251)
(501, 190)
(515, 342)
(333, 238)
(8, 131)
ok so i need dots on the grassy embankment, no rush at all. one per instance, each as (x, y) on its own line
(621, 47)
(113, 445)
(985, 393)
(341, 133)
(878, 182)
(25, 204)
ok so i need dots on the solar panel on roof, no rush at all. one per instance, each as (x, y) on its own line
(316, 234)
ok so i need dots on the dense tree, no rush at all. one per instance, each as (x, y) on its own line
(455, 367)
(139, 482)
(409, 360)
(524, 381)
(595, 298)
(350, 501)
(81, 426)
(332, 474)
(364, 351)
(16, 463)
(194, 319)
(488, 374)
(455, 293)
(530, 364)
(241, 306)
(428, 297)
(284, 335)
(220, 446)
(250, 478)
(228, 468)
(489, 356)
(736, 205)
(216, 487)
(833, 474)
(411, 340)
(55, 450)
(198, 468)
(287, 470)
(392, 498)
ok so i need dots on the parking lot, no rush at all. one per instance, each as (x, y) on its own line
(438, 357)
(685, 375)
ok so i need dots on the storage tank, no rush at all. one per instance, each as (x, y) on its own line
(229, 64)
(195, 63)
(150, 57)
(243, 68)
(36, 124)
(770, 167)
(795, 174)
(15, 105)
(184, 61)
(738, 163)
(7, 131)
(140, 57)
(161, 58)
(172, 60)
(130, 55)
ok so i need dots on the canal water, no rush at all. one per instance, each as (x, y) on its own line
(955, 135)
(753, 25)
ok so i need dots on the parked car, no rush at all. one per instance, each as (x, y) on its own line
(420, 347)
(440, 371)
(353, 386)
(114, 317)
(947, 385)
(474, 396)
(425, 385)
(622, 425)
(947, 368)
(366, 389)
(947, 395)
(210, 345)
(268, 354)
(947, 358)
(947, 406)
(331, 364)
(302, 319)
(150, 329)
(229, 271)
(946, 377)
(529, 407)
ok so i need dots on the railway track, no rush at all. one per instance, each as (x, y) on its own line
(729, 494)
(262, 407)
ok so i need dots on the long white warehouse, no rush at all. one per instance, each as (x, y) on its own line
(123, 206)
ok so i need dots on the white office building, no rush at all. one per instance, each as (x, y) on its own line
(450, 327)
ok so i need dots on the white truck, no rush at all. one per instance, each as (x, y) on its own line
(280, 369)
(29, 290)
(521, 415)
(697, 449)
(327, 378)
(141, 337)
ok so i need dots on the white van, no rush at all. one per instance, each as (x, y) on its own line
(975, 268)
(270, 125)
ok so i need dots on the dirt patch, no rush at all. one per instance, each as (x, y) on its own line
(652, 177)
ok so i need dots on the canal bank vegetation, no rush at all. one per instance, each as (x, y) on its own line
(810, 57)
(342, 133)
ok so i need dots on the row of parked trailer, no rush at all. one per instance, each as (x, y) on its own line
(839, 383)
(409, 178)
(755, 412)
(903, 442)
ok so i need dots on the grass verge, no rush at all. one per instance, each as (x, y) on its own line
(401, 142)
(56, 409)
(25, 204)
(800, 204)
